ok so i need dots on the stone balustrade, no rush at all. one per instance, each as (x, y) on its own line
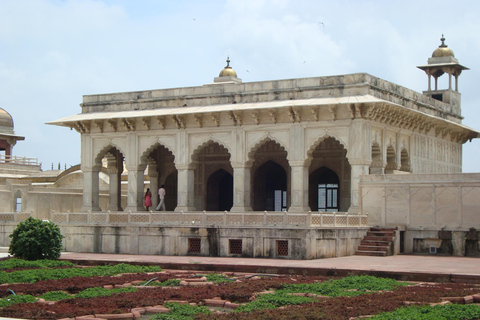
(225, 219)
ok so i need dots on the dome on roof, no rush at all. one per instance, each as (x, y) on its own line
(6, 119)
(228, 71)
(443, 50)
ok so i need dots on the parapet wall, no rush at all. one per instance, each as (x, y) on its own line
(437, 213)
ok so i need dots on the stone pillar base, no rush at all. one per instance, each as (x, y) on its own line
(241, 209)
(302, 209)
(90, 209)
(185, 209)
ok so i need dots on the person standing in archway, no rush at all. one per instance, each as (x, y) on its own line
(148, 199)
(161, 198)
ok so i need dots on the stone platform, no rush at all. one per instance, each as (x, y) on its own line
(401, 267)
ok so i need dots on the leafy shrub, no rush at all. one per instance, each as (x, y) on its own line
(36, 239)
(180, 312)
(101, 292)
(218, 278)
(444, 312)
(166, 283)
(13, 263)
(14, 299)
(31, 276)
(273, 301)
(349, 286)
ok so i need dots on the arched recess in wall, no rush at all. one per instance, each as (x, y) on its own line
(271, 177)
(376, 167)
(219, 196)
(112, 158)
(324, 190)
(404, 161)
(391, 160)
(213, 183)
(160, 171)
(17, 202)
(329, 166)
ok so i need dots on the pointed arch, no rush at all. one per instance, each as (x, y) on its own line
(330, 154)
(391, 158)
(324, 192)
(262, 141)
(404, 160)
(203, 145)
(101, 154)
(320, 140)
(377, 166)
(145, 155)
(210, 157)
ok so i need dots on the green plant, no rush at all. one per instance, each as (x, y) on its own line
(14, 299)
(440, 312)
(100, 292)
(349, 286)
(166, 283)
(180, 312)
(31, 276)
(218, 278)
(36, 239)
(273, 301)
(13, 263)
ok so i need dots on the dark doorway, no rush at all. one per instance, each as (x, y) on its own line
(270, 187)
(219, 191)
(324, 190)
(171, 191)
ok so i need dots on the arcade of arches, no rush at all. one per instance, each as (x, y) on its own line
(268, 176)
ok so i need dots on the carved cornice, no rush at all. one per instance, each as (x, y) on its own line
(381, 112)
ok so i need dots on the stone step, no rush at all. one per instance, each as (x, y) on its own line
(370, 253)
(380, 234)
(378, 238)
(375, 243)
(372, 248)
(383, 229)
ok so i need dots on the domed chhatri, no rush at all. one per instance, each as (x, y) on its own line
(228, 71)
(6, 119)
(443, 50)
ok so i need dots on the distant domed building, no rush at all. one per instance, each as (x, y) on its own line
(8, 138)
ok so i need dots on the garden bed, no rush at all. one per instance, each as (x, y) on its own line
(124, 292)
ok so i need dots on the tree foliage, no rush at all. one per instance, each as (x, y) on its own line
(36, 239)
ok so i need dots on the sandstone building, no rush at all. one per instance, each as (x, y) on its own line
(298, 168)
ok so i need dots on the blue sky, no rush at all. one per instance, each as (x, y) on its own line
(54, 51)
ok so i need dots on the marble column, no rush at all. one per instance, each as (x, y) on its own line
(114, 190)
(358, 169)
(241, 188)
(299, 187)
(91, 189)
(135, 189)
(153, 174)
(185, 192)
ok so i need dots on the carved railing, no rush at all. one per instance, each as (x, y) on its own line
(14, 216)
(19, 160)
(219, 219)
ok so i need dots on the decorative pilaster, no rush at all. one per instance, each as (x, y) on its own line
(90, 189)
(299, 170)
(185, 191)
(153, 174)
(241, 188)
(358, 169)
(299, 187)
(135, 188)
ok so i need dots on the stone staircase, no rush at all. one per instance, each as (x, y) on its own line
(377, 242)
